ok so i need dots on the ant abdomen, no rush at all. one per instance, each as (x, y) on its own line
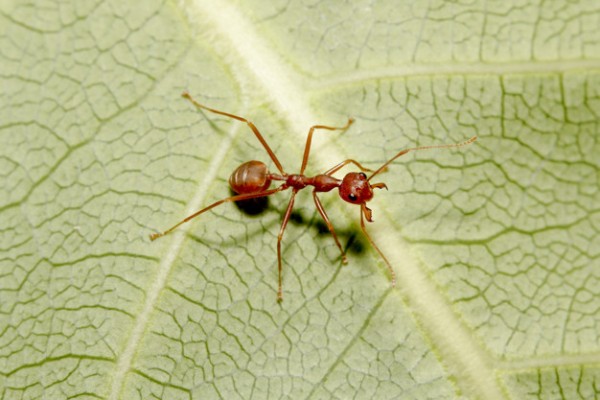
(250, 177)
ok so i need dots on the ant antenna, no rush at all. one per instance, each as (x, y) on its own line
(403, 152)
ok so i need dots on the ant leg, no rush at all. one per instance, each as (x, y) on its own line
(343, 164)
(286, 218)
(365, 210)
(309, 139)
(250, 124)
(330, 226)
(238, 197)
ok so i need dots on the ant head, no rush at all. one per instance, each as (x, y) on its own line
(356, 189)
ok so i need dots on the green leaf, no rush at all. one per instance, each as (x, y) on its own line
(496, 245)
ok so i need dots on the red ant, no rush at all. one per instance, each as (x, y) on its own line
(252, 179)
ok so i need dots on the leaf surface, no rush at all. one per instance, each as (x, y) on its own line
(496, 245)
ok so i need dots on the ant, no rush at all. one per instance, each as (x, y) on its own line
(252, 179)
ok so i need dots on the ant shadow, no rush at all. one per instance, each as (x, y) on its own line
(351, 238)
(251, 207)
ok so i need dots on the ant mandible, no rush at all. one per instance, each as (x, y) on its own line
(252, 179)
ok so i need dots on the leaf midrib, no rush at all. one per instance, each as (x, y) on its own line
(253, 54)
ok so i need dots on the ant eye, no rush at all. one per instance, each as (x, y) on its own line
(352, 197)
(362, 175)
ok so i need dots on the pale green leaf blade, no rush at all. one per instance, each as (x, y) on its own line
(495, 245)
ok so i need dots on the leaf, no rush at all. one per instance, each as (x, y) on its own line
(496, 245)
